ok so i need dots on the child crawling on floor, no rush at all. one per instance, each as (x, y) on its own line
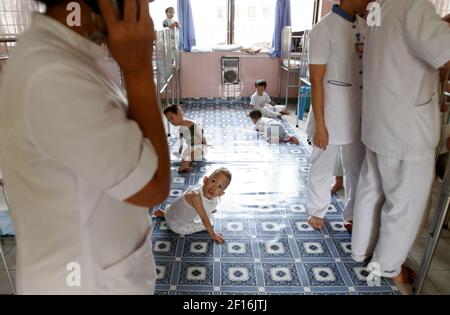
(195, 145)
(193, 211)
(273, 130)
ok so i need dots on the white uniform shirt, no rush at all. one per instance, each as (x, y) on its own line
(259, 101)
(332, 43)
(400, 108)
(69, 157)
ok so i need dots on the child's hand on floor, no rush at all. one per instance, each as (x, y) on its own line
(218, 238)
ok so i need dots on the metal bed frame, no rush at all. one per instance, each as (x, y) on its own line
(290, 59)
(6, 44)
(441, 216)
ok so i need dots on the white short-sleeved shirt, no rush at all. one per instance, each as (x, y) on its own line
(332, 43)
(259, 101)
(69, 158)
(400, 116)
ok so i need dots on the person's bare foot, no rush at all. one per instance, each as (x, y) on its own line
(185, 170)
(348, 226)
(159, 213)
(406, 276)
(338, 184)
(316, 222)
(293, 140)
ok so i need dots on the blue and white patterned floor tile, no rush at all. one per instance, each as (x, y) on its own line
(270, 249)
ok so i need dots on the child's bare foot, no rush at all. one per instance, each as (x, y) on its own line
(406, 275)
(159, 213)
(185, 167)
(316, 222)
(284, 112)
(185, 170)
(338, 184)
(349, 226)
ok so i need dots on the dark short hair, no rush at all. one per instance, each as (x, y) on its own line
(255, 114)
(167, 10)
(261, 83)
(174, 109)
(51, 3)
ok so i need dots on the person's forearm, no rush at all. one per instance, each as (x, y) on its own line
(144, 109)
(318, 103)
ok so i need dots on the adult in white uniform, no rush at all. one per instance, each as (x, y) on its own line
(335, 59)
(400, 128)
(80, 169)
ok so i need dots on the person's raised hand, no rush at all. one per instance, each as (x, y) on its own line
(130, 40)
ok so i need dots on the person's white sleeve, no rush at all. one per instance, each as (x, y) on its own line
(427, 35)
(319, 45)
(253, 100)
(267, 98)
(83, 127)
(268, 111)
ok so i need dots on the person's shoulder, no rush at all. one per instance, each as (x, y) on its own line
(254, 95)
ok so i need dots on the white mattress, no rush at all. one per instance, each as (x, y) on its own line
(227, 48)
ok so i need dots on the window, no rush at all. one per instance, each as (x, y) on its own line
(254, 22)
(302, 12)
(442, 6)
(158, 11)
(210, 22)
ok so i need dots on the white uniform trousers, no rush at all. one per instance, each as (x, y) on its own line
(391, 200)
(321, 177)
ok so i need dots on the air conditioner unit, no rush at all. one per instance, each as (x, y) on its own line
(230, 70)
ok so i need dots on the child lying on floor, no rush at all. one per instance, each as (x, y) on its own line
(273, 130)
(194, 148)
(193, 211)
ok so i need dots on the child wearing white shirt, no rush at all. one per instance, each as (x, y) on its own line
(193, 211)
(273, 130)
(262, 101)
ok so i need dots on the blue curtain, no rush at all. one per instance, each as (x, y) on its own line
(187, 30)
(282, 19)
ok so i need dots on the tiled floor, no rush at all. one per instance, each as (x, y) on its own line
(269, 249)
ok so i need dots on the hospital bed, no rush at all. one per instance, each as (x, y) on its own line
(6, 45)
(441, 216)
(292, 57)
(166, 66)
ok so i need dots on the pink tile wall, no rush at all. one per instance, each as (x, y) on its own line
(201, 75)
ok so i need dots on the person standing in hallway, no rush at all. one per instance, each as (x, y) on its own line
(401, 129)
(82, 163)
(335, 59)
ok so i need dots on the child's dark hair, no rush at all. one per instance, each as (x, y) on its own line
(262, 83)
(167, 10)
(255, 114)
(174, 109)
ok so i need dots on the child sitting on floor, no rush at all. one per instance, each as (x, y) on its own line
(272, 129)
(262, 101)
(193, 211)
(194, 148)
